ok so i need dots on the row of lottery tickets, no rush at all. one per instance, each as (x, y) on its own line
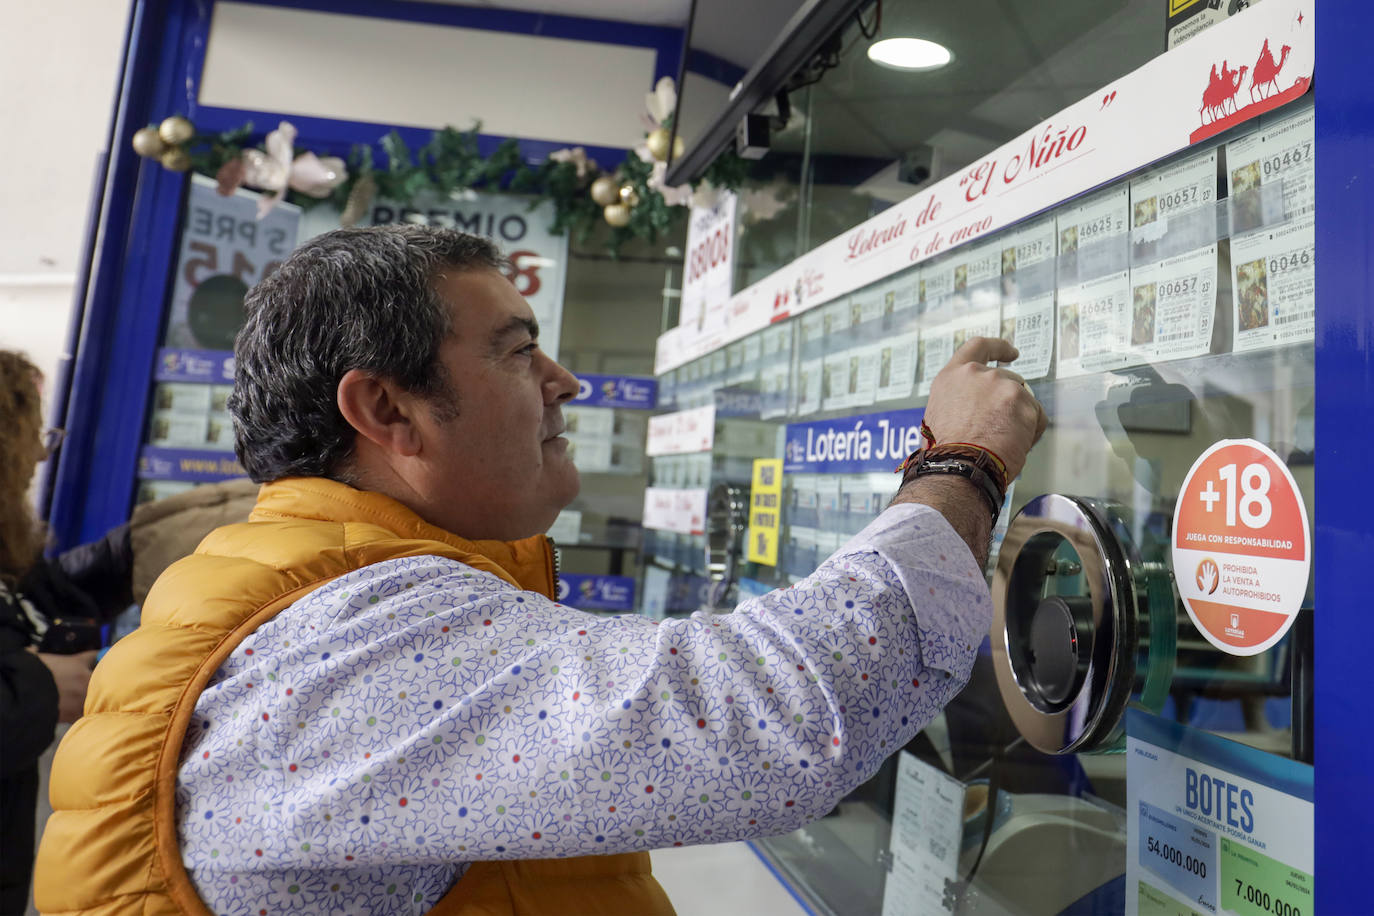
(1125, 277)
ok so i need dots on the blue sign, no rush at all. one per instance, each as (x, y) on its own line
(197, 465)
(852, 445)
(1182, 853)
(213, 366)
(616, 391)
(603, 593)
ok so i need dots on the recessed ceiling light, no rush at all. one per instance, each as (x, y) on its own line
(909, 54)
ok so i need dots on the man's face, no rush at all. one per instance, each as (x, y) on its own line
(500, 467)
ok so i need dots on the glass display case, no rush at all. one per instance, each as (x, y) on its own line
(1151, 572)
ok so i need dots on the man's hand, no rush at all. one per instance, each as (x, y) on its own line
(975, 403)
(971, 402)
(72, 674)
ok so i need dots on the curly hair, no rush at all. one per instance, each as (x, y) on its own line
(21, 448)
(348, 299)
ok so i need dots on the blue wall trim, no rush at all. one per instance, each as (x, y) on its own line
(712, 67)
(1344, 516)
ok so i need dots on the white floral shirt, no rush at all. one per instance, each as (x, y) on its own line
(359, 749)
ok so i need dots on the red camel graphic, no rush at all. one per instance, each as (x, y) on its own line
(1221, 92)
(1267, 71)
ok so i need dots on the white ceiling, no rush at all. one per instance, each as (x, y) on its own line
(671, 13)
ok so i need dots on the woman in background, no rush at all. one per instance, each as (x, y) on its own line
(38, 688)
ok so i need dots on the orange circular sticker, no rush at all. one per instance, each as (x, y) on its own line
(1241, 546)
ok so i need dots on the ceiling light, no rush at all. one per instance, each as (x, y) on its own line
(909, 54)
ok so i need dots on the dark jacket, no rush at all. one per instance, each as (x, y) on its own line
(64, 592)
(28, 718)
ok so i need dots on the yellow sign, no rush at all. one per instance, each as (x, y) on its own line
(765, 512)
(1178, 6)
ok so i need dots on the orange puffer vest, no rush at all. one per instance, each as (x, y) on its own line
(111, 844)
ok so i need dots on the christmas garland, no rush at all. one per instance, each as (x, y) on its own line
(632, 198)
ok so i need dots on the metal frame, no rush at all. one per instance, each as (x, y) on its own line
(802, 36)
(121, 311)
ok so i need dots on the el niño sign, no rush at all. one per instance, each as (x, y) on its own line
(1253, 62)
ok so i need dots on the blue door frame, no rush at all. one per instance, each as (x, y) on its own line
(121, 318)
(124, 311)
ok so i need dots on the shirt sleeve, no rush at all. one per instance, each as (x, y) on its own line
(419, 711)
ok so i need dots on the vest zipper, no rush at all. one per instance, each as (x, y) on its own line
(557, 559)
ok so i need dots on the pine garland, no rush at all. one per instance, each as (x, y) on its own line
(451, 162)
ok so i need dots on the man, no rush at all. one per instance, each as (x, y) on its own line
(364, 700)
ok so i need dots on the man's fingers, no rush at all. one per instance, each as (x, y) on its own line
(1015, 377)
(985, 350)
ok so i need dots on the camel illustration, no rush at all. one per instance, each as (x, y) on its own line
(1267, 71)
(1221, 92)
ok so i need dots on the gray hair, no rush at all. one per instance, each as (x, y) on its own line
(348, 299)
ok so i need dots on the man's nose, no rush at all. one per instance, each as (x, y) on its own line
(560, 385)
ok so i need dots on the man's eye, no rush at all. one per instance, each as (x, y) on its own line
(529, 348)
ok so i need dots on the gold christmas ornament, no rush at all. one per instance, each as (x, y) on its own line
(605, 191)
(175, 130)
(148, 143)
(678, 147)
(617, 215)
(657, 142)
(629, 196)
(175, 159)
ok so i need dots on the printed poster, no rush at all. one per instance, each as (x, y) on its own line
(225, 250)
(775, 370)
(1172, 306)
(1173, 209)
(1094, 321)
(897, 365)
(900, 296)
(1274, 277)
(1271, 173)
(851, 378)
(1093, 236)
(810, 386)
(935, 291)
(866, 309)
(765, 512)
(1028, 285)
(538, 258)
(977, 277)
(708, 270)
(811, 333)
(927, 827)
(1214, 826)
(1241, 548)
(1028, 324)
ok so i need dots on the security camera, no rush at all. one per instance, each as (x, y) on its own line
(751, 136)
(919, 165)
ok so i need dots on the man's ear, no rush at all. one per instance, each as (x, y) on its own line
(379, 411)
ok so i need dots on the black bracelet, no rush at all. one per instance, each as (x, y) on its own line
(962, 467)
